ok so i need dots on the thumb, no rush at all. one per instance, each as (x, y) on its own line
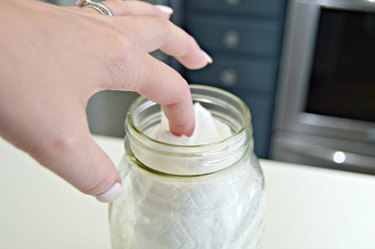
(80, 161)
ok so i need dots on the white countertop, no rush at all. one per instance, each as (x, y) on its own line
(308, 207)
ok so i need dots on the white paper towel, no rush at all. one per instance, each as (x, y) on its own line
(207, 130)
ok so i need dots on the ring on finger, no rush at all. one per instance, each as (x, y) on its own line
(98, 6)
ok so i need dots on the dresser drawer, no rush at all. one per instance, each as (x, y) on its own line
(256, 37)
(244, 74)
(269, 8)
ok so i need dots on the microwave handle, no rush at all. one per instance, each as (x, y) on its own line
(334, 156)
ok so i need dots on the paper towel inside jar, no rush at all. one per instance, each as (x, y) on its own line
(207, 129)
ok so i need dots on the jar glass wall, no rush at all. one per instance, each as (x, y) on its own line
(197, 196)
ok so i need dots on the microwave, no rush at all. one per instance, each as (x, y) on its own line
(325, 108)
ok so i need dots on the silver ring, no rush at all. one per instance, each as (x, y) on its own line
(98, 6)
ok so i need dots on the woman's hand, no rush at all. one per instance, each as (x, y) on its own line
(53, 59)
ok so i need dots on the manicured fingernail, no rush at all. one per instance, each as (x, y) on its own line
(165, 9)
(209, 59)
(111, 194)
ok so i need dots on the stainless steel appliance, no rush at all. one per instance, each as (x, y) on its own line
(326, 104)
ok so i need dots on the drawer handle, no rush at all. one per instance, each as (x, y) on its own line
(228, 77)
(233, 2)
(231, 39)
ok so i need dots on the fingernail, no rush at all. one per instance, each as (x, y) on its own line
(111, 194)
(209, 59)
(165, 9)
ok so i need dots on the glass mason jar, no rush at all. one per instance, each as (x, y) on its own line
(198, 196)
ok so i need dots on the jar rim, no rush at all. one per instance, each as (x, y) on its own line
(245, 112)
(164, 174)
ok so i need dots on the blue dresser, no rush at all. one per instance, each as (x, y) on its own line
(244, 39)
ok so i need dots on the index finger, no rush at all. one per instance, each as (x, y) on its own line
(140, 72)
